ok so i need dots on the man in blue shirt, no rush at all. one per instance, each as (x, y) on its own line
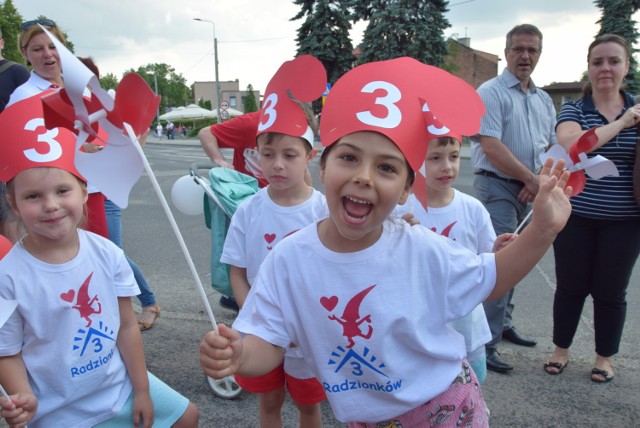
(517, 128)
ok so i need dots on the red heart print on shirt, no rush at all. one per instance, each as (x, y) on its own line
(68, 296)
(269, 237)
(329, 303)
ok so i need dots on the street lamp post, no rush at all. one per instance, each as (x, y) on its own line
(215, 58)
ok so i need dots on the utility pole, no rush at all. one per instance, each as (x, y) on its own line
(215, 59)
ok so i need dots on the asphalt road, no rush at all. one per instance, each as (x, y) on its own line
(527, 397)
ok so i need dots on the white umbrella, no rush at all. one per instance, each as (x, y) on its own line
(192, 111)
(232, 112)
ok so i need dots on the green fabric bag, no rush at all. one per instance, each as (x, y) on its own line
(230, 189)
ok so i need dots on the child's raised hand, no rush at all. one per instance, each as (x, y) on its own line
(20, 410)
(411, 219)
(220, 353)
(551, 207)
(503, 240)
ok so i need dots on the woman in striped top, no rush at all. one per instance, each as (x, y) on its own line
(597, 250)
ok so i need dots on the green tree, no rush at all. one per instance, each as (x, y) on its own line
(250, 102)
(205, 104)
(453, 49)
(617, 19)
(10, 20)
(325, 34)
(172, 87)
(109, 81)
(413, 28)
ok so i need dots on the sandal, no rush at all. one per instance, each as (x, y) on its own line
(148, 317)
(606, 376)
(555, 365)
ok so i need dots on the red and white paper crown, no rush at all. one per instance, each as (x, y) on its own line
(26, 142)
(303, 78)
(407, 101)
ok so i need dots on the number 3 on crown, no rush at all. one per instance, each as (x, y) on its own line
(393, 95)
(55, 149)
(269, 110)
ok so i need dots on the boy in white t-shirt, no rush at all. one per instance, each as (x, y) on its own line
(285, 144)
(463, 219)
(365, 297)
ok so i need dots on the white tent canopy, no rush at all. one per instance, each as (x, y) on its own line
(232, 112)
(192, 111)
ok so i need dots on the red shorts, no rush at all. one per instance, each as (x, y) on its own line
(304, 392)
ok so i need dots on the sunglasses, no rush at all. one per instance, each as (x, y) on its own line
(27, 24)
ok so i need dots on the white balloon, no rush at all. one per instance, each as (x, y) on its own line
(188, 196)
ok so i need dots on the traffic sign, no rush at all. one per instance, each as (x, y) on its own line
(224, 105)
(224, 114)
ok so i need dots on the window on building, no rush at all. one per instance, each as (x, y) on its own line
(232, 101)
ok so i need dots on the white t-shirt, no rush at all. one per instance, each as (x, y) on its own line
(66, 326)
(256, 227)
(31, 87)
(466, 221)
(371, 324)
(259, 224)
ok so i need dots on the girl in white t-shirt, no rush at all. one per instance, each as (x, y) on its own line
(71, 353)
(367, 299)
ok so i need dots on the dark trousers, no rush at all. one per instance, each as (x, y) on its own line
(594, 257)
(500, 198)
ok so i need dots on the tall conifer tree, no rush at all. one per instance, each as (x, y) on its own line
(413, 28)
(325, 34)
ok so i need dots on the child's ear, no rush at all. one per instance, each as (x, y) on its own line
(405, 194)
(311, 155)
(12, 204)
(322, 174)
(85, 194)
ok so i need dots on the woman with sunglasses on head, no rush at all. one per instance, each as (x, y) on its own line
(41, 54)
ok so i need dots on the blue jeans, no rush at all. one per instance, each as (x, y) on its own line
(114, 224)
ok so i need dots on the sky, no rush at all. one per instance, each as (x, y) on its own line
(256, 36)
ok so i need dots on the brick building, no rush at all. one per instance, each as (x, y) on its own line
(473, 66)
(561, 92)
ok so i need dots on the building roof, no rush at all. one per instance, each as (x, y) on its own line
(564, 86)
(489, 56)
